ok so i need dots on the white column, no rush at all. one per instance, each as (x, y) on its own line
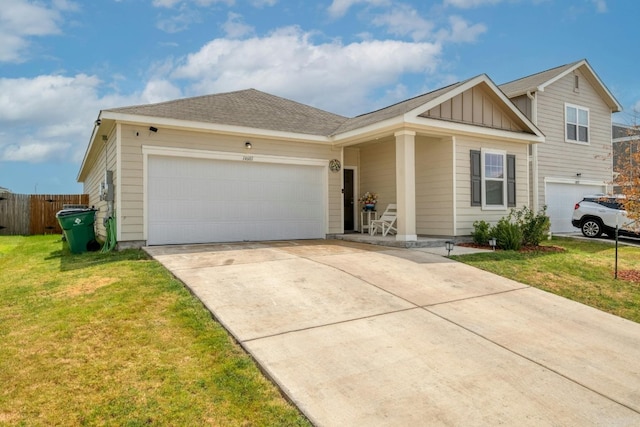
(406, 185)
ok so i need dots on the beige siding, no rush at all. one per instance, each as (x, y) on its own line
(134, 137)
(467, 214)
(378, 172)
(434, 187)
(351, 157)
(560, 159)
(478, 105)
(524, 105)
(91, 185)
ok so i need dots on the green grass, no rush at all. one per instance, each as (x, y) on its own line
(114, 339)
(584, 272)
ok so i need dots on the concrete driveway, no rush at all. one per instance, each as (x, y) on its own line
(361, 335)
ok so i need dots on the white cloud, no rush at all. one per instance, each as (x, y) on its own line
(49, 117)
(339, 8)
(35, 152)
(333, 76)
(601, 5)
(461, 31)
(468, 4)
(404, 20)
(235, 27)
(20, 20)
(263, 3)
(202, 3)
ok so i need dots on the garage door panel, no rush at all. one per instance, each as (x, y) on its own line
(200, 201)
(561, 199)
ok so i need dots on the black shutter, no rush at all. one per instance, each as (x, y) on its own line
(476, 179)
(511, 180)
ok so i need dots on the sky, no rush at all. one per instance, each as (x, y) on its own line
(62, 61)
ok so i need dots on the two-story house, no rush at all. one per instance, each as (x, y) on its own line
(248, 165)
(573, 108)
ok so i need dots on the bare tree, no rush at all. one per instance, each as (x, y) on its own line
(626, 161)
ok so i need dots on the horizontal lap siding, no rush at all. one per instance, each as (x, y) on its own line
(132, 164)
(434, 187)
(560, 159)
(96, 176)
(378, 172)
(467, 214)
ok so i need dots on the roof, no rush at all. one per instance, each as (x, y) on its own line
(624, 132)
(248, 108)
(4, 190)
(394, 110)
(538, 82)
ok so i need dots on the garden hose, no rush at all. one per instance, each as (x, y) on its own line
(110, 242)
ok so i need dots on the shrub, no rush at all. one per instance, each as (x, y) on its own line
(508, 235)
(481, 233)
(534, 226)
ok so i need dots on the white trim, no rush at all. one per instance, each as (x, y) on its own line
(160, 122)
(117, 205)
(483, 179)
(149, 150)
(577, 108)
(578, 181)
(454, 147)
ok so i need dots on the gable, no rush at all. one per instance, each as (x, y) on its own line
(479, 106)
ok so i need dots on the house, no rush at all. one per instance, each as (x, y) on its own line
(626, 145)
(247, 165)
(573, 108)
(4, 190)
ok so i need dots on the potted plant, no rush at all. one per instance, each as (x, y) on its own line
(369, 201)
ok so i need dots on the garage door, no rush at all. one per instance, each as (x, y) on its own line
(561, 199)
(202, 200)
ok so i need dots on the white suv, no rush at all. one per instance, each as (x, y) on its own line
(598, 214)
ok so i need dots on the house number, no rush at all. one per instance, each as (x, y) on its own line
(247, 158)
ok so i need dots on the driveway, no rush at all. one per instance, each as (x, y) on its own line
(362, 335)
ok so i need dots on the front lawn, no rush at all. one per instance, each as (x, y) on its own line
(584, 272)
(114, 339)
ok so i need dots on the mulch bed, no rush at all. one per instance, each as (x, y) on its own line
(629, 275)
(524, 249)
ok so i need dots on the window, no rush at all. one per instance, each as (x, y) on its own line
(577, 124)
(493, 179)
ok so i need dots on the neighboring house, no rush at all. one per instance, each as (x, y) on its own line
(4, 190)
(573, 108)
(250, 166)
(626, 145)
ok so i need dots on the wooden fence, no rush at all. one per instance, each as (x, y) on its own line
(24, 214)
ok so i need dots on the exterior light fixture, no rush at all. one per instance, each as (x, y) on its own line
(247, 145)
(153, 129)
(578, 174)
(449, 246)
(493, 243)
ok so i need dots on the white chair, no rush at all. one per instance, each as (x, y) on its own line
(387, 222)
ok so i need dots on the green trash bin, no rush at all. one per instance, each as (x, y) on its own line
(77, 225)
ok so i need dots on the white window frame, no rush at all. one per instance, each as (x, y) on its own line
(566, 122)
(483, 155)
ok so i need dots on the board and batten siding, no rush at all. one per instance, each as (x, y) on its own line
(467, 214)
(134, 137)
(434, 186)
(378, 172)
(560, 159)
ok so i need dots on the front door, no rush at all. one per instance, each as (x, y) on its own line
(348, 201)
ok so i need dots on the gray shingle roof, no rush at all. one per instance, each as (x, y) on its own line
(249, 108)
(520, 86)
(393, 110)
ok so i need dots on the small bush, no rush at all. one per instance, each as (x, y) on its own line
(508, 235)
(534, 226)
(481, 233)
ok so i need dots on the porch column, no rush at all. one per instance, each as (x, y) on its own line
(406, 185)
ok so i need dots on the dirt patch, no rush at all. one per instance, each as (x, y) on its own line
(88, 286)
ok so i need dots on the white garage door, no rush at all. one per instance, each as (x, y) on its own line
(561, 199)
(202, 200)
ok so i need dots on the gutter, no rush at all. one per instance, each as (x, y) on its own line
(534, 152)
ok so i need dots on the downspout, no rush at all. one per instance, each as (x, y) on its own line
(534, 153)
